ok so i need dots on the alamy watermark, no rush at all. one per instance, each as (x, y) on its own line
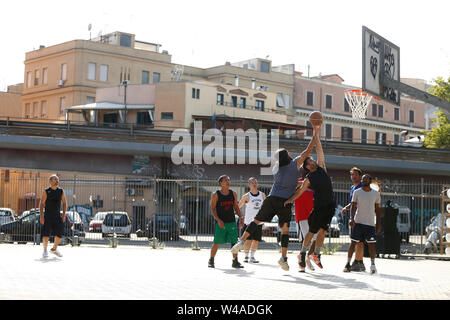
(190, 148)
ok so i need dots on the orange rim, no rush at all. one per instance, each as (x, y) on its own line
(361, 92)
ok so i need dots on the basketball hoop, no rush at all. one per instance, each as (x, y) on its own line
(358, 101)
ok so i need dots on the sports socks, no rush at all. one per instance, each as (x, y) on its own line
(304, 248)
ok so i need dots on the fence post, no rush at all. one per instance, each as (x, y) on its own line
(35, 205)
(421, 214)
(196, 215)
(74, 196)
(155, 199)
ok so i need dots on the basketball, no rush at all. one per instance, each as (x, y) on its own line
(316, 118)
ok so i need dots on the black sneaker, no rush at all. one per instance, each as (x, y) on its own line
(236, 264)
(356, 266)
(302, 261)
(362, 266)
(347, 267)
(211, 263)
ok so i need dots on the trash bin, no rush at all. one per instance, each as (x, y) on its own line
(388, 240)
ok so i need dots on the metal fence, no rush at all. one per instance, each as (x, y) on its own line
(120, 210)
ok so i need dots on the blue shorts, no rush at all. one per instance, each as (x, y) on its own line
(363, 232)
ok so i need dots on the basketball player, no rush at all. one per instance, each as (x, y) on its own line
(319, 220)
(224, 205)
(303, 206)
(252, 201)
(50, 218)
(355, 176)
(286, 174)
(365, 207)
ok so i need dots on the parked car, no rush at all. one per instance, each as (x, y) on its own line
(166, 228)
(7, 215)
(96, 223)
(27, 228)
(27, 212)
(334, 231)
(75, 223)
(116, 223)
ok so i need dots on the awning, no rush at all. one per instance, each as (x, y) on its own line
(109, 106)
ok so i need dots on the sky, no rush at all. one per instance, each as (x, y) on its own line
(324, 35)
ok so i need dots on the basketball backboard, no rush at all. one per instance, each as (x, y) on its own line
(380, 57)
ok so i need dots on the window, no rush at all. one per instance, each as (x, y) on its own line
(411, 115)
(374, 110)
(103, 73)
(265, 66)
(157, 77)
(28, 79)
(233, 101)
(346, 106)
(380, 111)
(220, 99)
(35, 109)
(166, 115)
(260, 105)
(396, 114)
(396, 139)
(195, 93)
(125, 40)
(328, 131)
(90, 100)
(309, 132)
(36, 77)
(280, 102)
(380, 138)
(43, 108)
(62, 105)
(92, 68)
(144, 118)
(287, 101)
(242, 103)
(363, 136)
(145, 79)
(64, 71)
(346, 134)
(27, 110)
(328, 101)
(309, 98)
(44, 76)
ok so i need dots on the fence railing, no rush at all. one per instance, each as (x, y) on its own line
(176, 212)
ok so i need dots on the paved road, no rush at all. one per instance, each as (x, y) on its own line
(129, 272)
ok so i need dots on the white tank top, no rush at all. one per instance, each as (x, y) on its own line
(252, 207)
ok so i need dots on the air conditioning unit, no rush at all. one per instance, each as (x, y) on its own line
(60, 83)
(130, 191)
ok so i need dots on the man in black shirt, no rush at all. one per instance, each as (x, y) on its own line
(319, 220)
(51, 218)
(224, 205)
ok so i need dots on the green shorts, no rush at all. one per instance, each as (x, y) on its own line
(228, 235)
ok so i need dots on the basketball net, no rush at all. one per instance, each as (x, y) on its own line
(358, 101)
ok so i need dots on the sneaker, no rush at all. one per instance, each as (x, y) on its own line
(347, 267)
(238, 246)
(56, 252)
(253, 260)
(211, 263)
(316, 259)
(373, 269)
(301, 261)
(45, 254)
(246, 259)
(283, 263)
(236, 264)
(357, 266)
(309, 264)
(363, 267)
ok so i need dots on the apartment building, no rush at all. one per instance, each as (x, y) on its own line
(385, 123)
(10, 102)
(68, 74)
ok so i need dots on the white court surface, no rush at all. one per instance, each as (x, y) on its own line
(182, 274)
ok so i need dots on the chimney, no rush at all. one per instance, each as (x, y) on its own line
(236, 80)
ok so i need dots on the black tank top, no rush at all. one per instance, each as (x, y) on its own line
(323, 189)
(225, 206)
(53, 202)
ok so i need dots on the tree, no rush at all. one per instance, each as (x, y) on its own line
(439, 136)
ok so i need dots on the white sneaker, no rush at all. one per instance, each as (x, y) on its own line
(284, 265)
(309, 264)
(253, 260)
(45, 254)
(238, 246)
(56, 252)
(373, 269)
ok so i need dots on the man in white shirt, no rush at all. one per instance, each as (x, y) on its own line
(365, 207)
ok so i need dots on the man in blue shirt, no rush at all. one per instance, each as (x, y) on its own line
(355, 176)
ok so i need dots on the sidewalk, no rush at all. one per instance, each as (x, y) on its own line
(91, 273)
